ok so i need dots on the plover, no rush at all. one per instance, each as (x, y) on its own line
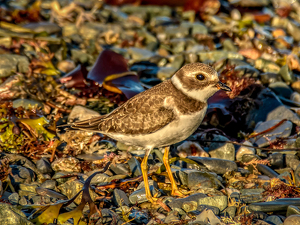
(161, 116)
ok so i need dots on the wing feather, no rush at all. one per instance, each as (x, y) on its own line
(142, 114)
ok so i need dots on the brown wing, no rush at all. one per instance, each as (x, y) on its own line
(142, 114)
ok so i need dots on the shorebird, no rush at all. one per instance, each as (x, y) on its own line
(161, 116)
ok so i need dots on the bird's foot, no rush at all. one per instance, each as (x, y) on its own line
(182, 194)
(154, 199)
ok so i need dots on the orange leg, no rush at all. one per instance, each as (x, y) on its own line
(144, 168)
(175, 191)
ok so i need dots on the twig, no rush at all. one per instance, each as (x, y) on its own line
(267, 130)
(249, 146)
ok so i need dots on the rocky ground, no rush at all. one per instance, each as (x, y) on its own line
(62, 61)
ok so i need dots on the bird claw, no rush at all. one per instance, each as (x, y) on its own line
(182, 194)
(178, 193)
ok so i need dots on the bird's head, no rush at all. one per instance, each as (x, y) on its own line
(198, 81)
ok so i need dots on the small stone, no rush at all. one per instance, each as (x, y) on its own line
(23, 201)
(292, 220)
(198, 179)
(207, 215)
(165, 73)
(27, 104)
(218, 166)
(235, 14)
(296, 86)
(270, 108)
(283, 130)
(282, 89)
(120, 198)
(176, 31)
(135, 166)
(11, 215)
(69, 164)
(275, 220)
(29, 187)
(266, 66)
(292, 210)
(120, 169)
(191, 57)
(178, 45)
(189, 148)
(139, 217)
(251, 195)
(11, 63)
(189, 201)
(66, 66)
(20, 175)
(268, 78)
(172, 217)
(295, 96)
(228, 45)
(14, 198)
(50, 28)
(218, 55)
(215, 210)
(45, 192)
(79, 113)
(230, 211)
(283, 176)
(189, 206)
(266, 170)
(297, 175)
(139, 54)
(222, 150)
(242, 150)
(43, 165)
(274, 206)
(39, 200)
(100, 178)
(72, 187)
(286, 74)
(139, 195)
(276, 160)
(50, 184)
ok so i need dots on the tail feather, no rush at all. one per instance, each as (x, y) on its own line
(88, 125)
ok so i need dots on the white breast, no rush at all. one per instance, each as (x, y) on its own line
(176, 131)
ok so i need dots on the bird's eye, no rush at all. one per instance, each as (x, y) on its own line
(200, 77)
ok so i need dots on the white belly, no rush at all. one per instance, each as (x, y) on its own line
(174, 132)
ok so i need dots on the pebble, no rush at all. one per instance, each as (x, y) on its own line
(80, 113)
(218, 166)
(283, 130)
(139, 195)
(70, 164)
(292, 210)
(12, 215)
(221, 150)
(27, 103)
(251, 195)
(282, 89)
(43, 165)
(120, 198)
(11, 63)
(189, 148)
(274, 206)
(14, 198)
(292, 220)
(242, 150)
(273, 220)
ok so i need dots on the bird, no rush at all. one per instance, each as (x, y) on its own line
(161, 116)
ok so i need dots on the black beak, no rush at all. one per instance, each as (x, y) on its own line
(222, 86)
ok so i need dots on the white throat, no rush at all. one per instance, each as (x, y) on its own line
(200, 95)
